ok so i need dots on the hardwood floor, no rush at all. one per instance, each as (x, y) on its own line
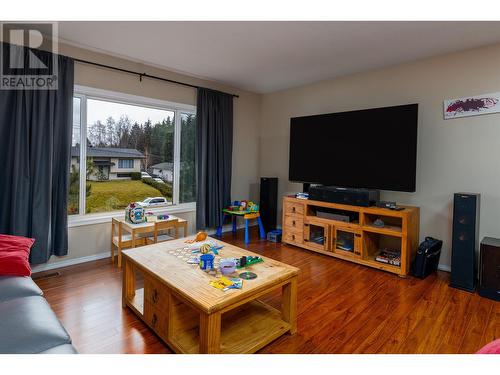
(343, 308)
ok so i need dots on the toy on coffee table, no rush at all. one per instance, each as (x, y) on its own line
(200, 236)
(200, 244)
(205, 248)
(247, 261)
(246, 209)
(226, 284)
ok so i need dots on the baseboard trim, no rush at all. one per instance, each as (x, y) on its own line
(70, 262)
(443, 267)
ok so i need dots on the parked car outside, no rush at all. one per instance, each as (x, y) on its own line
(157, 179)
(154, 201)
(145, 175)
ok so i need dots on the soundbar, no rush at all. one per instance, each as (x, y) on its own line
(353, 197)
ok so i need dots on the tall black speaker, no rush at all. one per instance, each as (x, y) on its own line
(465, 241)
(269, 202)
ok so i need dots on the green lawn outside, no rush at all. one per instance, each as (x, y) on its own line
(115, 195)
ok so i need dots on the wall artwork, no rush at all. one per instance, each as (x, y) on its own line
(472, 106)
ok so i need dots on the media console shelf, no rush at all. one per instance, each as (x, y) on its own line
(317, 226)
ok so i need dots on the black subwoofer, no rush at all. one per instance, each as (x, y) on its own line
(465, 241)
(269, 202)
(489, 268)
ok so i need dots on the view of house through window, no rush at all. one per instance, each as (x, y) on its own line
(130, 156)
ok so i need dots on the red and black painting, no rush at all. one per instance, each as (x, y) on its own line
(471, 106)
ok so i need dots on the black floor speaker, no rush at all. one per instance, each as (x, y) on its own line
(269, 202)
(465, 241)
(489, 268)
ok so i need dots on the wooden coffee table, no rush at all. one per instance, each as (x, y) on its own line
(191, 316)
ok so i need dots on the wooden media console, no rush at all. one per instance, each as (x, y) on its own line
(320, 226)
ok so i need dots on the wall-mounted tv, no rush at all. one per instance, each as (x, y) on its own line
(371, 148)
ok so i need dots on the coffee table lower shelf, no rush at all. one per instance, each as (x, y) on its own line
(243, 330)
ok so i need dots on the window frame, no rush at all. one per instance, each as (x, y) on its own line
(84, 93)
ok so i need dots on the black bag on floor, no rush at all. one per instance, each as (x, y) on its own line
(427, 258)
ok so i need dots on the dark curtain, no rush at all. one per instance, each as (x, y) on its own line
(214, 117)
(35, 143)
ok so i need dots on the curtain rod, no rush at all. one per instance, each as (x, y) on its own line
(141, 75)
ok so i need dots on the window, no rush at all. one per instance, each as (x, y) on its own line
(136, 148)
(126, 163)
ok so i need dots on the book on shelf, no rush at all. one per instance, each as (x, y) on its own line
(345, 245)
(345, 248)
(389, 256)
(320, 240)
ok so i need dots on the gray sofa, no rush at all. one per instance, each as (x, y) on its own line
(27, 323)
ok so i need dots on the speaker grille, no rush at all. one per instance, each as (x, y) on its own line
(464, 241)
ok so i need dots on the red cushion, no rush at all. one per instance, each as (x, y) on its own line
(14, 255)
(492, 348)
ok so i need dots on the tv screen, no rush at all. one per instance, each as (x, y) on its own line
(371, 148)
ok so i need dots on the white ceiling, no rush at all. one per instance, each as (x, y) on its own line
(269, 56)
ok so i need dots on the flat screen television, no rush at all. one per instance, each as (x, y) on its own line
(371, 148)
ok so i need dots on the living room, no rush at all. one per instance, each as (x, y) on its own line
(253, 186)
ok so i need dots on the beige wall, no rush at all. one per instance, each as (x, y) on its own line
(453, 155)
(90, 240)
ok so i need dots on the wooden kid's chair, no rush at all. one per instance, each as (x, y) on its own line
(118, 240)
(164, 226)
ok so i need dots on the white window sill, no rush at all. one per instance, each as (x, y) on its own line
(100, 218)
